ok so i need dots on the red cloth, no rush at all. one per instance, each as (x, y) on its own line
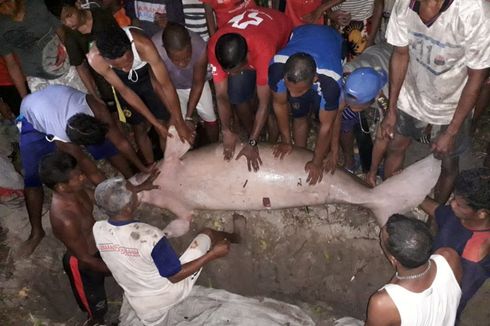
(5, 79)
(227, 9)
(295, 9)
(266, 32)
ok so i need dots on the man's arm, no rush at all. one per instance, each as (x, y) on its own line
(210, 21)
(430, 206)
(375, 21)
(164, 87)
(199, 72)
(252, 153)
(220, 249)
(313, 16)
(333, 155)
(281, 110)
(453, 260)
(224, 112)
(398, 70)
(315, 166)
(87, 79)
(444, 143)
(382, 311)
(67, 230)
(16, 74)
(114, 134)
(103, 69)
(86, 164)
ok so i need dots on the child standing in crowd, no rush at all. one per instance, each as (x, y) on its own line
(358, 21)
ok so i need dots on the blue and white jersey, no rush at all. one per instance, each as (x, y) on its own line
(325, 45)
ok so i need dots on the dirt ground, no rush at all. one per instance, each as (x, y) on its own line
(325, 259)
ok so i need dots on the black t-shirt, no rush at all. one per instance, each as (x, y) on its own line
(78, 44)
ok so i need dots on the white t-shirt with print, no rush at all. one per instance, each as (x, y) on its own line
(439, 56)
(127, 251)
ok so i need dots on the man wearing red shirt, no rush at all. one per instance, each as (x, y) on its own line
(239, 54)
(224, 10)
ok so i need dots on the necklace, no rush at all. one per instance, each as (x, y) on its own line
(412, 277)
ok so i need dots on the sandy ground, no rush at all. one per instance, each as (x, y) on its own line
(325, 259)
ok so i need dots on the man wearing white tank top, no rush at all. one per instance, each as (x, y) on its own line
(129, 61)
(425, 290)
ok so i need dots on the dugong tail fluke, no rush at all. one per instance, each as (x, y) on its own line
(405, 190)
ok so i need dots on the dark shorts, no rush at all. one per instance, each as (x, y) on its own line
(303, 105)
(411, 127)
(11, 97)
(87, 286)
(241, 87)
(34, 146)
(144, 89)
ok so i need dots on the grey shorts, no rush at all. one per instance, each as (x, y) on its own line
(411, 127)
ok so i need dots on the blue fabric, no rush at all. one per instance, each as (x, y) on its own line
(454, 235)
(165, 258)
(33, 146)
(324, 44)
(241, 87)
(120, 223)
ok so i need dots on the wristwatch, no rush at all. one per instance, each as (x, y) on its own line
(252, 142)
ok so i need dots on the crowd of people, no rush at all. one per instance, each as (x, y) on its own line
(91, 80)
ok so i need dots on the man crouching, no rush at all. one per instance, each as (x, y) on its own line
(141, 259)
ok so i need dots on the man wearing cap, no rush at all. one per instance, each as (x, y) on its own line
(439, 63)
(305, 79)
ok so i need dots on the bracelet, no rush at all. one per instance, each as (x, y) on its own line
(189, 119)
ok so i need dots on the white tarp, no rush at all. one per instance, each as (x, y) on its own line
(212, 307)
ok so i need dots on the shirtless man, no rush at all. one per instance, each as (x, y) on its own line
(72, 221)
(129, 61)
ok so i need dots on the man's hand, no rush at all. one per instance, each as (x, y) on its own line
(443, 145)
(186, 133)
(282, 149)
(190, 123)
(220, 249)
(340, 17)
(315, 172)
(371, 178)
(162, 130)
(388, 125)
(148, 183)
(160, 19)
(331, 161)
(229, 143)
(253, 158)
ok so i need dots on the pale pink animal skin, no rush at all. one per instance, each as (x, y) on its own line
(202, 180)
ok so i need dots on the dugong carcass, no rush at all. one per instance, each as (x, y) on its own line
(202, 180)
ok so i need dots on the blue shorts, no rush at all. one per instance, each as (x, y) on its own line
(301, 106)
(241, 87)
(34, 146)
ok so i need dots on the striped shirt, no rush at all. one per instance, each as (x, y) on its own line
(360, 10)
(195, 18)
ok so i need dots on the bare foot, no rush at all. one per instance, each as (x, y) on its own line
(27, 247)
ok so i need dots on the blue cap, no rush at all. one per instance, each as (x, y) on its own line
(364, 84)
